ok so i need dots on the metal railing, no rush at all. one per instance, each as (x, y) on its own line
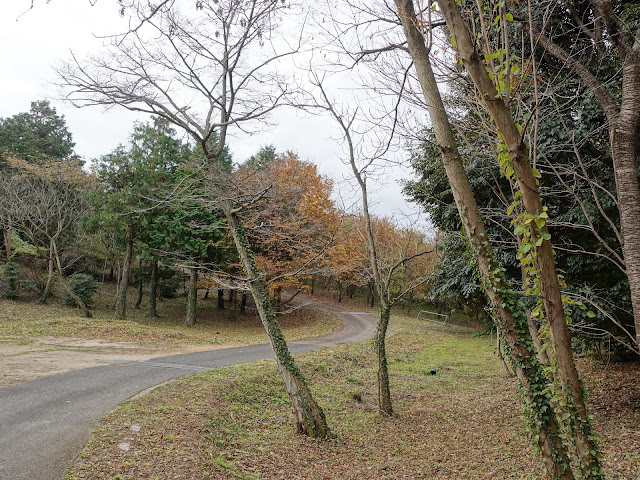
(434, 317)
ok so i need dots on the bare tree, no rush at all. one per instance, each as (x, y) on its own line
(47, 203)
(383, 272)
(204, 71)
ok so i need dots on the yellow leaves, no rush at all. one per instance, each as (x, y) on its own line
(66, 171)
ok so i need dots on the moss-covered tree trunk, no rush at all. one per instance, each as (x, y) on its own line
(121, 299)
(510, 314)
(384, 390)
(310, 418)
(192, 298)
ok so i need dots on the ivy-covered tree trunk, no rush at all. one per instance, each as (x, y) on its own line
(50, 274)
(588, 450)
(192, 298)
(384, 390)
(121, 299)
(309, 416)
(153, 289)
(509, 311)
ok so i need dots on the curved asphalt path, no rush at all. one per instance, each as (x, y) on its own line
(44, 423)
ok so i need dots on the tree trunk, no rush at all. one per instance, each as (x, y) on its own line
(243, 302)
(232, 304)
(76, 298)
(504, 300)
(309, 416)
(382, 288)
(313, 284)
(153, 289)
(537, 343)
(72, 294)
(220, 299)
(121, 299)
(140, 284)
(384, 391)
(50, 274)
(624, 148)
(501, 356)
(192, 298)
(549, 283)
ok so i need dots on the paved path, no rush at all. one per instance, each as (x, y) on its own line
(44, 423)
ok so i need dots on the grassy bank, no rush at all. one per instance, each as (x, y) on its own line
(461, 423)
(22, 320)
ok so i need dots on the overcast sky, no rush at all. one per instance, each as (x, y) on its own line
(37, 39)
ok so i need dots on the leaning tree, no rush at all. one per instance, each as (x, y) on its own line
(207, 70)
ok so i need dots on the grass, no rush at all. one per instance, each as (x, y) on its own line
(461, 423)
(20, 321)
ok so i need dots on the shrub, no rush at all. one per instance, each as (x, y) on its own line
(84, 286)
(168, 282)
(12, 281)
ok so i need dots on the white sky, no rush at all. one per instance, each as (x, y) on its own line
(35, 40)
